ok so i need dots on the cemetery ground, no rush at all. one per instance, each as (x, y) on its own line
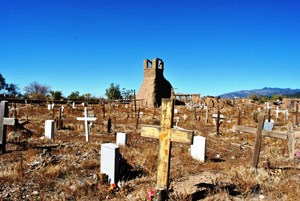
(68, 167)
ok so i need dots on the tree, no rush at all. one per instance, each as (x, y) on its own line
(56, 95)
(12, 89)
(127, 94)
(253, 97)
(113, 92)
(87, 96)
(74, 96)
(276, 97)
(37, 91)
(2, 82)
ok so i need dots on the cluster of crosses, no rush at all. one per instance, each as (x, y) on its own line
(165, 133)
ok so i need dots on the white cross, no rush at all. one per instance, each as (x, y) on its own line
(285, 112)
(268, 106)
(86, 119)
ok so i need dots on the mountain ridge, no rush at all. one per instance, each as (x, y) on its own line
(266, 91)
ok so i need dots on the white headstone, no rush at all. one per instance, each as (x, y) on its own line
(110, 164)
(49, 129)
(268, 126)
(62, 109)
(122, 139)
(49, 106)
(73, 105)
(175, 111)
(198, 148)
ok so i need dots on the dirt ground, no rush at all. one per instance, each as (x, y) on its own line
(68, 168)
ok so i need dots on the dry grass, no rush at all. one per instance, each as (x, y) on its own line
(70, 171)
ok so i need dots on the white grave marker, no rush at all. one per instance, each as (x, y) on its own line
(86, 118)
(122, 139)
(73, 105)
(198, 148)
(268, 126)
(286, 114)
(49, 129)
(110, 164)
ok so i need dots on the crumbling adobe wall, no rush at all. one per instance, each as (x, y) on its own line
(154, 86)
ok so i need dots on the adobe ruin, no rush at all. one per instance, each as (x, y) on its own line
(154, 86)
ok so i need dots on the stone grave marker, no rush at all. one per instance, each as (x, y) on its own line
(110, 161)
(268, 125)
(4, 122)
(59, 121)
(49, 129)
(86, 120)
(121, 139)
(166, 135)
(198, 148)
(73, 105)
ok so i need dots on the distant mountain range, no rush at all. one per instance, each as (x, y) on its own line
(261, 92)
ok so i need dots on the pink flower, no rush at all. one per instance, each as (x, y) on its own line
(150, 194)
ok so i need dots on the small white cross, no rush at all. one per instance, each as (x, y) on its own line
(86, 119)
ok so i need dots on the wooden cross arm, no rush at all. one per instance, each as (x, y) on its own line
(10, 121)
(272, 134)
(150, 131)
(177, 135)
(182, 136)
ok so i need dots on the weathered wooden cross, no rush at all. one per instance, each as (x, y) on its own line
(4, 121)
(166, 135)
(86, 118)
(290, 135)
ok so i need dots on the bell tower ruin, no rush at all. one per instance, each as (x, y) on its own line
(154, 86)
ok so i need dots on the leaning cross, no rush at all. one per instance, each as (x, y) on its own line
(4, 121)
(166, 135)
(86, 118)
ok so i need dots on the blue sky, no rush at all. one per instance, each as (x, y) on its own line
(209, 47)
